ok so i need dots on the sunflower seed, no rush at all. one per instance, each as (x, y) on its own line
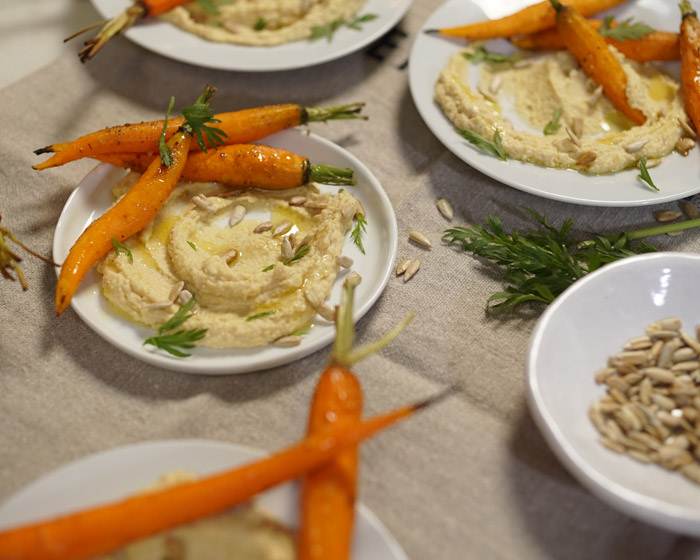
(413, 267)
(585, 159)
(669, 324)
(419, 239)
(689, 130)
(315, 205)
(237, 215)
(327, 312)
(402, 267)
(666, 356)
(175, 290)
(691, 472)
(565, 145)
(689, 209)
(597, 419)
(265, 226)
(656, 350)
(686, 366)
(572, 136)
(619, 396)
(613, 431)
(664, 402)
(663, 216)
(288, 341)
(637, 357)
(616, 382)
(633, 378)
(297, 201)
(659, 375)
(595, 97)
(639, 343)
(231, 256)
(645, 391)
(636, 146)
(668, 419)
(645, 439)
(287, 249)
(496, 84)
(640, 456)
(603, 374)
(184, 296)
(445, 208)
(684, 146)
(202, 202)
(683, 355)
(577, 126)
(690, 341)
(627, 419)
(282, 228)
(344, 262)
(612, 445)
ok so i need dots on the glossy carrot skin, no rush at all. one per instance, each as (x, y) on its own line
(132, 213)
(657, 46)
(530, 20)
(241, 127)
(157, 7)
(690, 66)
(240, 166)
(596, 60)
(103, 529)
(328, 494)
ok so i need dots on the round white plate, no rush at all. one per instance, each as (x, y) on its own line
(677, 177)
(166, 39)
(591, 321)
(117, 473)
(93, 197)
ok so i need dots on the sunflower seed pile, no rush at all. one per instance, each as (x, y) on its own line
(651, 411)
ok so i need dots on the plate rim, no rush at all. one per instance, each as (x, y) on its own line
(193, 367)
(391, 21)
(253, 453)
(675, 518)
(476, 162)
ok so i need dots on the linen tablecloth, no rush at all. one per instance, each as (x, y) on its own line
(472, 478)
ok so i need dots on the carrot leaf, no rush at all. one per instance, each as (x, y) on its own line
(119, 247)
(175, 344)
(644, 175)
(180, 316)
(481, 54)
(261, 315)
(166, 156)
(299, 254)
(627, 30)
(197, 116)
(554, 125)
(358, 231)
(494, 148)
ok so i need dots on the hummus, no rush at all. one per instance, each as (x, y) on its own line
(262, 22)
(605, 141)
(247, 293)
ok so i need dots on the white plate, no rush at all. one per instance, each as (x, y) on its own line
(677, 177)
(166, 39)
(93, 197)
(573, 340)
(117, 473)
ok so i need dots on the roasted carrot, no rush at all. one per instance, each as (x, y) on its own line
(245, 166)
(139, 10)
(105, 528)
(133, 212)
(530, 20)
(596, 58)
(328, 494)
(690, 62)
(240, 127)
(658, 45)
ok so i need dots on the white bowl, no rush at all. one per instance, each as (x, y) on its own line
(581, 329)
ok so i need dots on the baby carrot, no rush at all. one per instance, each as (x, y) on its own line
(595, 58)
(690, 62)
(240, 127)
(245, 166)
(328, 494)
(105, 528)
(133, 212)
(529, 20)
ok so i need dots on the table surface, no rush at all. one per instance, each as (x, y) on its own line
(472, 479)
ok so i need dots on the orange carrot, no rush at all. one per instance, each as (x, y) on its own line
(690, 62)
(106, 528)
(530, 20)
(595, 58)
(328, 494)
(240, 127)
(658, 45)
(245, 166)
(132, 213)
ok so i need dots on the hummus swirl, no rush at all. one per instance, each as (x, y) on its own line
(247, 294)
(606, 142)
(262, 22)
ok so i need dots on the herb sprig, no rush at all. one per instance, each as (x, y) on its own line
(260, 24)
(554, 125)
(358, 231)
(299, 254)
(260, 315)
(626, 30)
(494, 148)
(481, 54)
(328, 30)
(197, 116)
(644, 175)
(166, 156)
(176, 343)
(119, 247)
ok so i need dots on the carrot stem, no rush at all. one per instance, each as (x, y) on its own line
(686, 9)
(331, 175)
(350, 111)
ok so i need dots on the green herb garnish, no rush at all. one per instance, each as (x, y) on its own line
(209, 7)
(260, 315)
(180, 316)
(299, 254)
(329, 29)
(358, 231)
(302, 332)
(260, 24)
(191, 244)
(268, 268)
(626, 30)
(166, 156)
(644, 175)
(494, 148)
(119, 247)
(554, 125)
(482, 54)
(356, 22)
(175, 343)
(197, 116)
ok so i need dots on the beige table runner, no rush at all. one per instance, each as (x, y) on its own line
(472, 479)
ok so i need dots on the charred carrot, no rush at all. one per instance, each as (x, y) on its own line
(328, 494)
(596, 58)
(139, 10)
(658, 45)
(246, 166)
(529, 20)
(690, 62)
(108, 527)
(240, 127)
(135, 209)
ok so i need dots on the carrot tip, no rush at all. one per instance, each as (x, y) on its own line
(431, 31)
(438, 397)
(44, 150)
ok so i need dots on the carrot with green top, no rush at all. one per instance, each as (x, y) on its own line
(690, 62)
(135, 210)
(245, 166)
(109, 527)
(238, 127)
(529, 20)
(328, 494)
(596, 59)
